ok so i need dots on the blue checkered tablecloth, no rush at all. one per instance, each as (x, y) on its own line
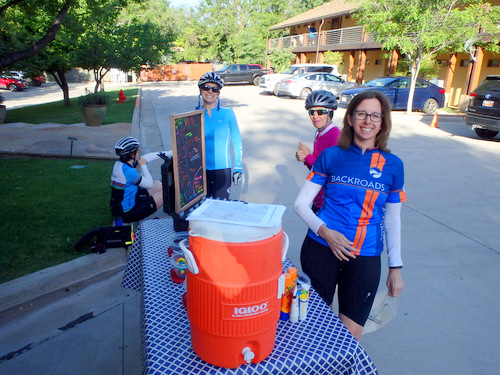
(319, 345)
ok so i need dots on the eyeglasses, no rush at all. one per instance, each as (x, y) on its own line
(362, 115)
(320, 112)
(208, 88)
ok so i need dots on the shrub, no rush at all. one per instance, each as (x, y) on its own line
(99, 98)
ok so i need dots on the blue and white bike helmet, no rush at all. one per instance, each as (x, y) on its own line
(125, 147)
(211, 77)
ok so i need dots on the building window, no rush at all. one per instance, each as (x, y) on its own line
(443, 62)
(464, 62)
(378, 62)
(493, 63)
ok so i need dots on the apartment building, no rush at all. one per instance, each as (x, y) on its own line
(330, 27)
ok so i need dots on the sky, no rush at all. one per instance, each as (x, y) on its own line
(184, 2)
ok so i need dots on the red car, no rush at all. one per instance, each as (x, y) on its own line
(38, 80)
(255, 66)
(12, 84)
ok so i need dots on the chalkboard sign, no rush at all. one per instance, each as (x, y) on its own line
(188, 146)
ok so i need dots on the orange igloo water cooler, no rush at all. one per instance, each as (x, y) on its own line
(234, 282)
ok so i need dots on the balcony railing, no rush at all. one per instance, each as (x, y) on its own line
(348, 35)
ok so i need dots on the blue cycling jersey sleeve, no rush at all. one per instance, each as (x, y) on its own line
(222, 133)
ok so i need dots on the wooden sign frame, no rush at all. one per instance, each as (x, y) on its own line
(189, 166)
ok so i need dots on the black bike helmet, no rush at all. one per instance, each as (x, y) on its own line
(321, 98)
(126, 146)
(211, 77)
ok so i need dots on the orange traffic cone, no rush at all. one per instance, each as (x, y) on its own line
(434, 122)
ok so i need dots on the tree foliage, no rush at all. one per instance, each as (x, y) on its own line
(122, 39)
(281, 58)
(95, 35)
(233, 31)
(335, 58)
(420, 28)
(27, 27)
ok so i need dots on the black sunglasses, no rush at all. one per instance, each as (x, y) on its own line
(320, 112)
(208, 88)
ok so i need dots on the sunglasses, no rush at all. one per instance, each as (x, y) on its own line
(319, 111)
(208, 88)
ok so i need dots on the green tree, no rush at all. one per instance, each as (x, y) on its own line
(232, 31)
(124, 40)
(281, 58)
(57, 58)
(421, 28)
(429, 68)
(27, 27)
(335, 58)
(99, 36)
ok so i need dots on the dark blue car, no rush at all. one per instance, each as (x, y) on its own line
(428, 97)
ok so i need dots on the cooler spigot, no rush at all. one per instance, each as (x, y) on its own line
(248, 355)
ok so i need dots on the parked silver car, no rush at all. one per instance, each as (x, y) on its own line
(302, 85)
(270, 82)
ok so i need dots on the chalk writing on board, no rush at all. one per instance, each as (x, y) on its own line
(189, 159)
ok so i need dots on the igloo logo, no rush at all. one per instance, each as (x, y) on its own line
(251, 310)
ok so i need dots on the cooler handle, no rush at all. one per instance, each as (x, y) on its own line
(191, 262)
(286, 242)
(193, 234)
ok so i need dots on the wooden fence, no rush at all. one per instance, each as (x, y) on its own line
(178, 72)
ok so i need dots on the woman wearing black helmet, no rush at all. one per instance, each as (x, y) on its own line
(221, 133)
(320, 105)
(134, 195)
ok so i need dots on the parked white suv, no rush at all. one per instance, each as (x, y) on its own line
(270, 82)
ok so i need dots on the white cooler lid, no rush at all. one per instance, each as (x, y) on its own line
(239, 213)
(230, 221)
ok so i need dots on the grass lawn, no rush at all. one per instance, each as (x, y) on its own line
(46, 207)
(57, 113)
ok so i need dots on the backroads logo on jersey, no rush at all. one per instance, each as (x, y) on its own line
(358, 182)
(375, 172)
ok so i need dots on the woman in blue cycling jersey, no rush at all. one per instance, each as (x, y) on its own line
(364, 189)
(221, 133)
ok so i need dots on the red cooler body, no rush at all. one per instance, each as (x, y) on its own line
(233, 302)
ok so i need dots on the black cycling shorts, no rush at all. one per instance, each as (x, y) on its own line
(357, 279)
(145, 205)
(219, 183)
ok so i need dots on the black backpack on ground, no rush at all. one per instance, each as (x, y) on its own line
(101, 238)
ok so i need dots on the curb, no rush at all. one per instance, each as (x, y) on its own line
(64, 276)
(136, 116)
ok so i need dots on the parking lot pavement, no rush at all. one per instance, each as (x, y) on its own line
(451, 257)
